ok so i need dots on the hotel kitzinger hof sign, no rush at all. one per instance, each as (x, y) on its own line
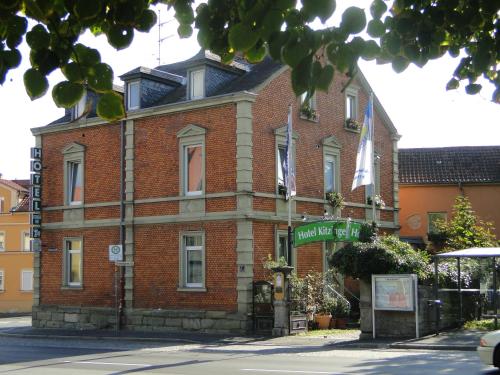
(338, 231)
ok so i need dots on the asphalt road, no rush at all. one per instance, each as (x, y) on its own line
(52, 356)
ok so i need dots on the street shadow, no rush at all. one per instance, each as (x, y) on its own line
(423, 363)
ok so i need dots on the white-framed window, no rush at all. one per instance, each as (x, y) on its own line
(192, 260)
(192, 160)
(280, 147)
(2, 241)
(73, 265)
(281, 164)
(351, 106)
(282, 247)
(432, 218)
(370, 192)
(330, 174)
(74, 173)
(331, 164)
(26, 240)
(193, 169)
(311, 103)
(26, 280)
(79, 108)
(197, 84)
(2, 281)
(75, 182)
(133, 95)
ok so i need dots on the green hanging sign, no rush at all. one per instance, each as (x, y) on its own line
(338, 231)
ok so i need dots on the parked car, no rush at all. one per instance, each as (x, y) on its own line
(489, 348)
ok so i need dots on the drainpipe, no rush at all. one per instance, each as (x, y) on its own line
(122, 226)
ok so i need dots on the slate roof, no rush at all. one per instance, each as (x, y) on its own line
(450, 165)
(247, 77)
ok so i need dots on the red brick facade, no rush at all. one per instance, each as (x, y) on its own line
(158, 218)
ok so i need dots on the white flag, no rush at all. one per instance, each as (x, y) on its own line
(363, 175)
(291, 189)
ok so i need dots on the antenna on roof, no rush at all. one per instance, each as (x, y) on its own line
(160, 39)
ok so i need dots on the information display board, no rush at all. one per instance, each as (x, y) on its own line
(394, 292)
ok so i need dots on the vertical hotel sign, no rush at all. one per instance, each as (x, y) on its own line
(36, 197)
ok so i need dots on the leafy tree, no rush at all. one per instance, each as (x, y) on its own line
(386, 255)
(401, 32)
(465, 229)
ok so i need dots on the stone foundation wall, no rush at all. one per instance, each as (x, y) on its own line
(159, 320)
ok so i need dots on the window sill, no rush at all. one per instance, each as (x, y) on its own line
(72, 287)
(357, 131)
(186, 289)
(26, 291)
(314, 119)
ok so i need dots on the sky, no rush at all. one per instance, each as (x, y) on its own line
(424, 113)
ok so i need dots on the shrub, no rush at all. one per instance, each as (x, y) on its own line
(386, 255)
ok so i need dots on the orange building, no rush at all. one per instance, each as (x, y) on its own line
(16, 260)
(431, 179)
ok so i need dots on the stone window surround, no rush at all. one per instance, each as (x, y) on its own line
(73, 153)
(182, 262)
(2, 280)
(284, 233)
(65, 274)
(2, 204)
(189, 136)
(129, 84)
(23, 271)
(331, 149)
(280, 140)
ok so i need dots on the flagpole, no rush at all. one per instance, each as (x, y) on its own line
(374, 212)
(289, 193)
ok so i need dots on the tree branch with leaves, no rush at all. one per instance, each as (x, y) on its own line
(400, 32)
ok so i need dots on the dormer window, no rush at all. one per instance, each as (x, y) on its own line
(133, 95)
(197, 84)
(79, 108)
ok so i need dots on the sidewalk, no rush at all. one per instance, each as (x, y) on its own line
(450, 340)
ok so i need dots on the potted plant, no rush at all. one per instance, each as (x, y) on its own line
(309, 113)
(340, 312)
(352, 124)
(379, 202)
(323, 312)
(336, 200)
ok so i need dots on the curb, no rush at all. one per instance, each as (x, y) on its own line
(464, 348)
(349, 344)
(99, 338)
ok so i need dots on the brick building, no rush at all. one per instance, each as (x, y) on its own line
(189, 183)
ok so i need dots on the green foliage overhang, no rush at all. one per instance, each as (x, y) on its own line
(410, 31)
